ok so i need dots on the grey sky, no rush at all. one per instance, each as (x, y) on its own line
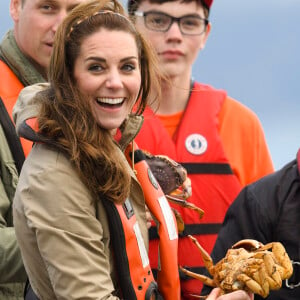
(253, 53)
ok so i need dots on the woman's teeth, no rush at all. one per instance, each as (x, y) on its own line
(111, 101)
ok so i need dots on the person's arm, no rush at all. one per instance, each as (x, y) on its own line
(252, 215)
(11, 266)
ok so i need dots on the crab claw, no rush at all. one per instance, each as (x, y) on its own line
(186, 204)
(248, 244)
(184, 191)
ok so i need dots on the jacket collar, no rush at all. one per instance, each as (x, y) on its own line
(11, 54)
(129, 130)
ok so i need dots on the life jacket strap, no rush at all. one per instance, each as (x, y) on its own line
(207, 168)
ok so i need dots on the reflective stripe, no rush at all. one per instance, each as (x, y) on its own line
(168, 216)
(141, 245)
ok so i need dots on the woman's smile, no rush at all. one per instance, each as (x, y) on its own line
(110, 102)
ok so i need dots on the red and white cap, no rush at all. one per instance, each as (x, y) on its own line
(208, 3)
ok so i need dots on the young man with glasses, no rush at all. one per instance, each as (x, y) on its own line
(219, 141)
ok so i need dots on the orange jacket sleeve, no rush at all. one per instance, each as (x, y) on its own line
(244, 142)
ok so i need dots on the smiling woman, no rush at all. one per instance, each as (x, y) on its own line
(100, 69)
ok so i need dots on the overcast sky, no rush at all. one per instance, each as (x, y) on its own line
(253, 53)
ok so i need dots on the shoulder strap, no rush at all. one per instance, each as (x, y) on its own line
(11, 136)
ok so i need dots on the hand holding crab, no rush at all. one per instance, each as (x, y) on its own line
(248, 265)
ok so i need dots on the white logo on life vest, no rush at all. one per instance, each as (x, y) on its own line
(152, 179)
(196, 144)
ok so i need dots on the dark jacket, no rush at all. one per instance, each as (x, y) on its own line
(268, 211)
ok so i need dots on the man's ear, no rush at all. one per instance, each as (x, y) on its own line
(207, 32)
(14, 9)
(205, 37)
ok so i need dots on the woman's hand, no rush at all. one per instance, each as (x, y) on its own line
(237, 295)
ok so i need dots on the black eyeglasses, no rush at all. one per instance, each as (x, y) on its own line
(159, 21)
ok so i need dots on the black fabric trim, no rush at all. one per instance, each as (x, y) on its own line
(29, 293)
(191, 229)
(153, 235)
(118, 242)
(28, 133)
(138, 156)
(13, 140)
(201, 229)
(207, 168)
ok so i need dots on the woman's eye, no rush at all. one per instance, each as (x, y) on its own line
(128, 67)
(95, 68)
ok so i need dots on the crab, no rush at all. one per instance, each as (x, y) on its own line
(248, 265)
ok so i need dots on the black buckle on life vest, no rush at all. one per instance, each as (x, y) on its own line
(294, 281)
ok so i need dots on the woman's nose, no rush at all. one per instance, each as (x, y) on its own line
(114, 80)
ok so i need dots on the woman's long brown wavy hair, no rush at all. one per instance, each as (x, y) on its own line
(66, 117)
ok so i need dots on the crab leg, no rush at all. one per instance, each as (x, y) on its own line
(282, 259)
(206, 280)
(205, 256)
(186, 204)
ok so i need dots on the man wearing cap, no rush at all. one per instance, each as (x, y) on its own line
(219, 140)
(24, 57)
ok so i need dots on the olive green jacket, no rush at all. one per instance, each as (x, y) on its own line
(12, 272)
(11, 267)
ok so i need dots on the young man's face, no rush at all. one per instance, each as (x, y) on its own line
(35, 23)
(177, 51)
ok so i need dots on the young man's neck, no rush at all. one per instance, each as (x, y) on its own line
(174, 97)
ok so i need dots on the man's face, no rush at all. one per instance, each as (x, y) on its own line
(35, 23)
(176, 51)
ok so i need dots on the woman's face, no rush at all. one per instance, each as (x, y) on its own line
(107, 71)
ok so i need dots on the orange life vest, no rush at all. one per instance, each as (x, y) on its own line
(196, 145)
(10, 87)
(168, 276)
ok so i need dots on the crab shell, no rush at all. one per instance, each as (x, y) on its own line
(248, 265)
